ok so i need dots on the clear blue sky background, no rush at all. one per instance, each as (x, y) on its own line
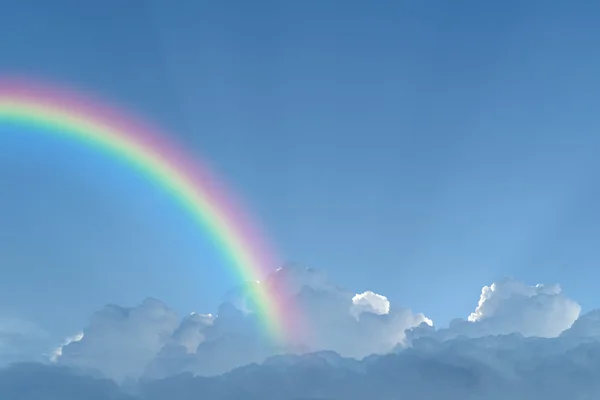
(416, 149)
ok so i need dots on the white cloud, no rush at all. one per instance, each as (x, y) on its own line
(370, 302)
(119, 342)
(488, 353)
(354, 325)
(510, 306)
(57, 352)
(540, 310)
(154, 343)
(520, 342)
(191, 331)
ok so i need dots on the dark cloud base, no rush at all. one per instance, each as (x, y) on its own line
(499, 367)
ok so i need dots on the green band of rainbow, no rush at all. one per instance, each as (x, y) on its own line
(71, 116)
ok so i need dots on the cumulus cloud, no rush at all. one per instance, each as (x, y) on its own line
(510, 306)
(338, 320)
(521, 342)
(192, 331)
(358, 344)
(155, 343)
(119, 342)
(370, 302)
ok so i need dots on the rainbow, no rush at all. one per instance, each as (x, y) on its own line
(74, 117)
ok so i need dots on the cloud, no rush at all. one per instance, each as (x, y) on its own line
(42, 382)
(191, 331)
(510, 306)
(339, 320)
(585, 327)
(119, 342)
(520, 342)
(495, 367)
(155, 343)
(57, 352)
(454, 370)
(370, 302)
(351, 324)
(20, 339)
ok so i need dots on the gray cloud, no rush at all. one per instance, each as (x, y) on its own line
(493, 367)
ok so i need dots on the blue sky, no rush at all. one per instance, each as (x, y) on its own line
(419, 151)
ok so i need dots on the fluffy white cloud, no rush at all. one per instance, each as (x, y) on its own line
(119, 342)
(370, 302)
(231, 339)
(150, 341)
(192, 331)
(510, 306)
(349, 324)
(154, 343)
(520, 342)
